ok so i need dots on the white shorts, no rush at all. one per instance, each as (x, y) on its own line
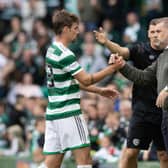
(65, 134)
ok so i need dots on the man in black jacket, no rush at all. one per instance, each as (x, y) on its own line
(145, 124)
(156, 74)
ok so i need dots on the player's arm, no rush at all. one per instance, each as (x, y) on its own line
(103, 91)
(113, 47)
(89, 79)
(69, 64)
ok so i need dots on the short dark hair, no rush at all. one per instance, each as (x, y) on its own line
(62, 18)
(158, 20)
(154, 21)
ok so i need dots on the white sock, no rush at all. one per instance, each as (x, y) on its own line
(84, 166)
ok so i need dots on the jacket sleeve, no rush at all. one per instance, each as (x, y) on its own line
(141, 77)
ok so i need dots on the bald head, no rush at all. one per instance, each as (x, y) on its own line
(165, 21)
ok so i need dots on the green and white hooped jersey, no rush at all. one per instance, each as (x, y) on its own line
(63, 88)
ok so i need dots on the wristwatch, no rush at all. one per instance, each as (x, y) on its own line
(166, 88)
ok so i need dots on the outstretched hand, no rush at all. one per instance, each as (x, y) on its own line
(100, 35)
(161, 98)
(116, 61)
(109, 92)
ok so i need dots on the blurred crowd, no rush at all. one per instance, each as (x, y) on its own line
(25, 34)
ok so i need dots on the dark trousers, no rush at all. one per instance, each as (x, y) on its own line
(165, 129)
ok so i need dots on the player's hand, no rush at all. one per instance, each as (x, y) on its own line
(117, 62)
(113, 58)
(100, 35)
(161, 98)
(109, 92)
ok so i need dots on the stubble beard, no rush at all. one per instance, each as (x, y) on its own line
(157, 43)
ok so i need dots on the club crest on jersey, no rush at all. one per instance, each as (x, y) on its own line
(136, 141)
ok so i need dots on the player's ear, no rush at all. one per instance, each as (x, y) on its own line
(65, 29)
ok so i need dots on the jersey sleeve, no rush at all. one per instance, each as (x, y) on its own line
(70, 64)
